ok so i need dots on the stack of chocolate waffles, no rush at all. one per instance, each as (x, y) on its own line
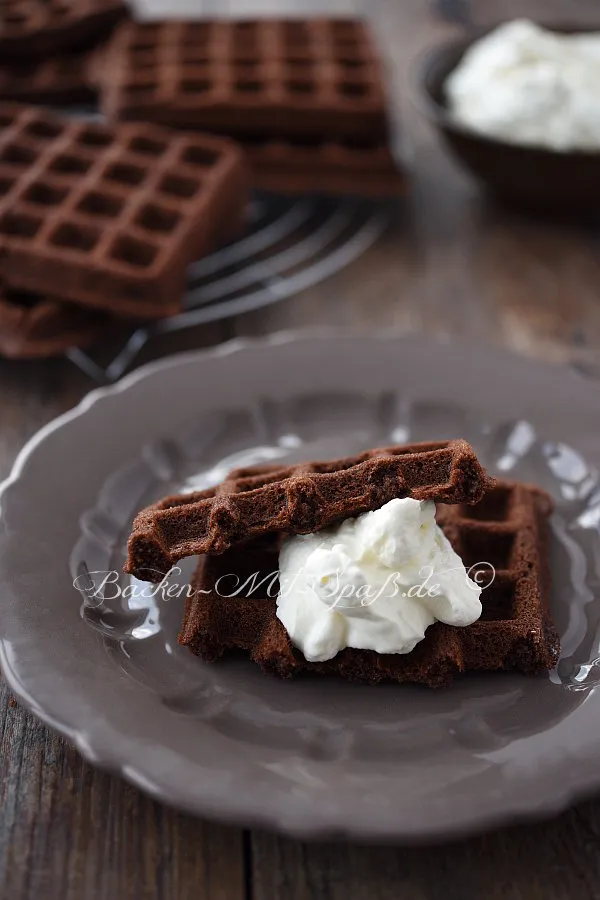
(99, 222)
(304, 97)
(237, 528)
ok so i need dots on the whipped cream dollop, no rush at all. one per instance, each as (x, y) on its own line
(526, 85)
(376, 582)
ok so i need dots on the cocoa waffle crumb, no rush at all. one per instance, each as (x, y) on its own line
(111, 215)
(298, 499)
(508, 529)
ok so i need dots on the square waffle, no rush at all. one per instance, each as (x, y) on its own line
(111, 216)
(298, 499)
(60, 81)
(508, 529)
(303, 77)
(30, 29)
(34, 327)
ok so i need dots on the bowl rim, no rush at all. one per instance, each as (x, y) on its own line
(439, 115)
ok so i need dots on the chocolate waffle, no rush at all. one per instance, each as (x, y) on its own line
(303, 77)
(298, 499)
(60, 81)
(515, 632)
(34, 327)
(111, 216)
(348, 167)
(30, 29)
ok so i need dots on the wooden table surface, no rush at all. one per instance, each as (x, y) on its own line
(454, 265)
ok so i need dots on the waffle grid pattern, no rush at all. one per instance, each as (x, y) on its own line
(298, 499)
(289, 77)
(115, 214)
(503, 531)
(515, 632)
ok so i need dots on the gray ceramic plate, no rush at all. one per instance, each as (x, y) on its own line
(312, 757)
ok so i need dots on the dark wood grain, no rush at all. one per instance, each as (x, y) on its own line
(70, 831)
(453, 265)
(552, 861)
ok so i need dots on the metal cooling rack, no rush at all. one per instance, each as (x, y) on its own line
(289, 245)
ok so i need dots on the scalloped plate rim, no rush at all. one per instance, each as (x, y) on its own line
(240, 813)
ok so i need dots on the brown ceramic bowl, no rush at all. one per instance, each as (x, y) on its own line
(530, 177)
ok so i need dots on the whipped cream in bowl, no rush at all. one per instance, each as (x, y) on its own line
(375, 582)
(528, 85)
(519, 108)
